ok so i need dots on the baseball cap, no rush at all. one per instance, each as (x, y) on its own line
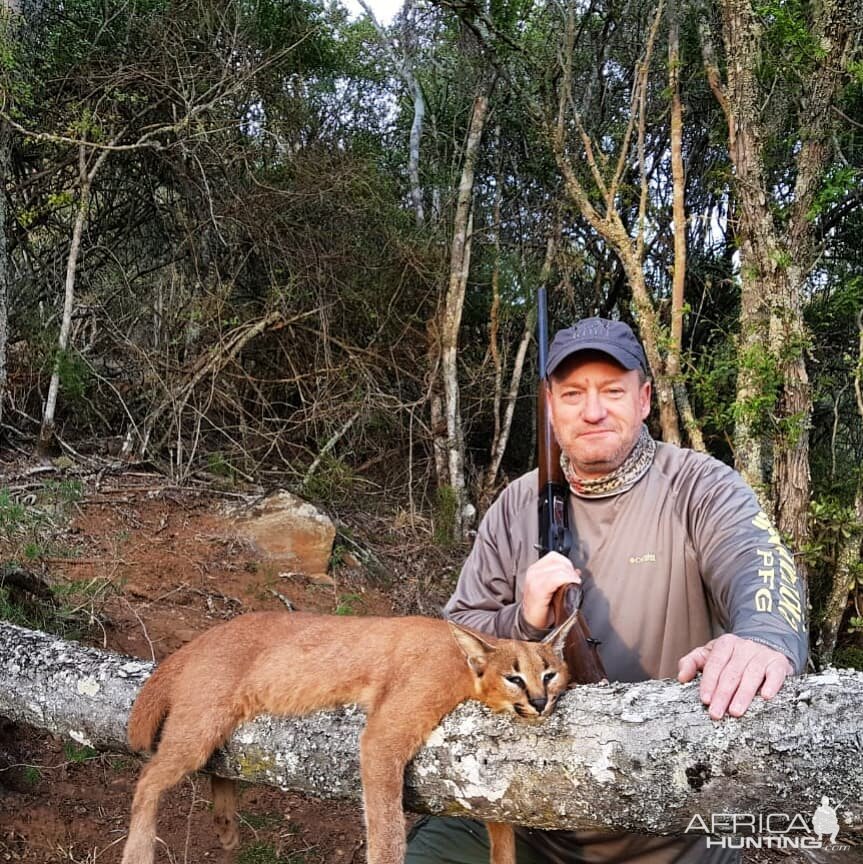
(597, 334)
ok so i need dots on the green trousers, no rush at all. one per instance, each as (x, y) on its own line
(439, 840)
(436, 840)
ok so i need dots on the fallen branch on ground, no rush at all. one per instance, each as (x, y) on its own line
(643, 757)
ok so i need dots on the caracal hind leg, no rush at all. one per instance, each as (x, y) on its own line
(185, 746)
(501, 837)
(383, 756)
(225, 811)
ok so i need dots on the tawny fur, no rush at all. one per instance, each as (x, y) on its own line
(406, 673)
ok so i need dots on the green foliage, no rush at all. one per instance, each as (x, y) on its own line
(31, 526)
(74, 375)
(333, 480)
(265, 853)
(787, 24)
(78, 753)
(849, 657)
(31, 775)
(832, 524)
(839, 182)
(219, 465)
(30, 532)
(259, 821)
(347, 604)
(13, 515)
(765, 380)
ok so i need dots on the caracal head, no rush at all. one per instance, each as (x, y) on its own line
(525, 678)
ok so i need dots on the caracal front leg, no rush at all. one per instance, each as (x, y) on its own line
(501, 838)
(383, 757)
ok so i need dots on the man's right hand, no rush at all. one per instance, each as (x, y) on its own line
(541, 580)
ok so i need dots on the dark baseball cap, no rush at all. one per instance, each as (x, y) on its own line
(597, 334)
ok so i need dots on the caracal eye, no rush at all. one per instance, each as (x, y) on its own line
(548, 677)
(515, 679)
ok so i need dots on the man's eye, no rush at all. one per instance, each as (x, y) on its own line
(515, 679)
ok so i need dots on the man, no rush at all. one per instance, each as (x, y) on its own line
(681, 572)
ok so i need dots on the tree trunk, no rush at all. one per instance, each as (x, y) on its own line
(404, 67)
(503, 424)
(9, 11)
(450, 317)
(86, 176)
(638, 757)
(775, 264)
(678, 283)
(46, 433)
(844, 582)
(4, 262)
(848, 559)
(609, 224)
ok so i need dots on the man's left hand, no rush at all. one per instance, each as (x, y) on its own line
(733, 671)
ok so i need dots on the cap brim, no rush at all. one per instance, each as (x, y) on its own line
(620, 355)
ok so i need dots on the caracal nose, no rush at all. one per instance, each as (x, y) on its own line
(539, 703)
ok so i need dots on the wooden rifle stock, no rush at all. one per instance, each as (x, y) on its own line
(585, 666)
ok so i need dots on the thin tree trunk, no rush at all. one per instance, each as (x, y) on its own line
(9, 11)
(4, 262)
(678, 177)
(848, 559)
(609, 225)
(505, 426)
(452, 310)
(404, 68)
(46, 433)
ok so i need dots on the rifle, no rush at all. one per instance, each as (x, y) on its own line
(582, 658)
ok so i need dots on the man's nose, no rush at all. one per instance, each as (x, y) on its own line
(593, 410)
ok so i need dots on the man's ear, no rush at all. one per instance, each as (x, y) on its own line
(644, 395)
(475, 649)
(557, 638)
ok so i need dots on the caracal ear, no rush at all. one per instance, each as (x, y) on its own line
(557, 638)
(475, 649)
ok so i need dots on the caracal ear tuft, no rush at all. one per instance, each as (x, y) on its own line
(557, 638)
(475, 649)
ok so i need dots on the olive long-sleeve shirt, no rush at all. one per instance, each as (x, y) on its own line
(679, 558)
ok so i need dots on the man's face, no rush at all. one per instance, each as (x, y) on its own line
(597, 408)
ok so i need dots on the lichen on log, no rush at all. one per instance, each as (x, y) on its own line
(643, 757)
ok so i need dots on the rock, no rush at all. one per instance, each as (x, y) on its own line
(288, 530)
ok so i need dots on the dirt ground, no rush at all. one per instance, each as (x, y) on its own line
(150, 566)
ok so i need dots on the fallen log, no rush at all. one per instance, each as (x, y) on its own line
(642, 757)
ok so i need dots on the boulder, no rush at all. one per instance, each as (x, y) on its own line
(289, 531)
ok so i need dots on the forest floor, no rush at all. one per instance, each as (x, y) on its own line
(142, 566)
